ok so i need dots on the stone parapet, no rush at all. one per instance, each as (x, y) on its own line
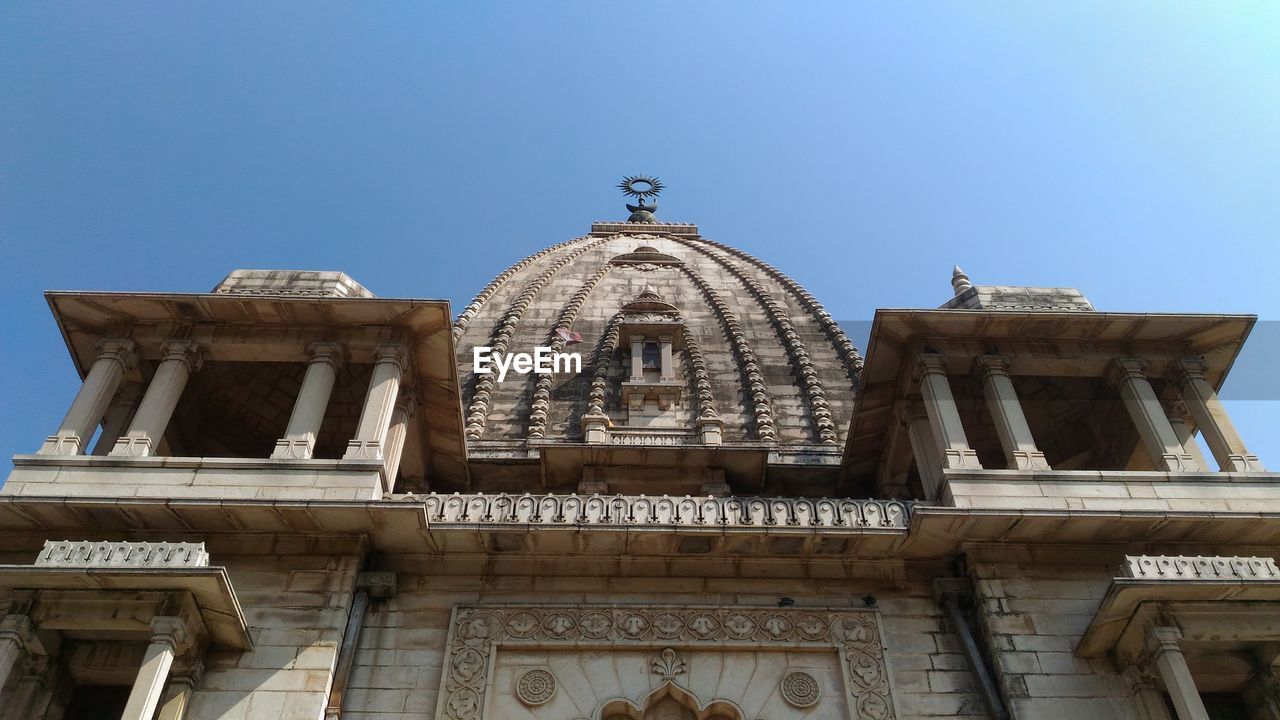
(89, 553)
(1182, 567)
(293, 283)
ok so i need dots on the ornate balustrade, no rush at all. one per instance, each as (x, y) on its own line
(664, 511)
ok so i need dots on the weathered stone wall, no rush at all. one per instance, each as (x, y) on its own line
(296, 607)
(1034, 609)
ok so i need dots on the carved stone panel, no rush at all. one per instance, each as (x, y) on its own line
(718, 662)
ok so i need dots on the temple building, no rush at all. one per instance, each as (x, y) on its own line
(291, 499)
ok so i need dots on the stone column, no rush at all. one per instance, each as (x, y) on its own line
(299, 440)
(118, 416)
(1219, 433)
(1172, 665)
(177, 695)
(944, 419)
(17, 636)
(1147, 414)
(179, 359)
(100, 385)
(396, 436)
(375, 417)
(168, 634)
(924, 446)
(668, 371)
(637, 358)
(24, 701)
(1011, 424)
(1176, 411)
(1147, 698)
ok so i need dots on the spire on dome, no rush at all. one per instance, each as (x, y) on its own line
(960, 281)
(641, 186)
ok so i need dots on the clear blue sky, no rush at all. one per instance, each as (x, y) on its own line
(1128, 149)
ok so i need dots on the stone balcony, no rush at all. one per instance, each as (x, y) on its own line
(1103, 490)
(194, 477)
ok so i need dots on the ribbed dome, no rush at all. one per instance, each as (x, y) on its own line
(754, 350)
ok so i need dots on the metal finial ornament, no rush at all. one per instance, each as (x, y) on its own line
(641, 186)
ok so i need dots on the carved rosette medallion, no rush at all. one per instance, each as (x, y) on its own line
(535, 687)
(800, 689)
(475, 631)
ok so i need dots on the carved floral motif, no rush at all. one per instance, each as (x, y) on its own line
(800, 689)
(535, 687)
(475, 630)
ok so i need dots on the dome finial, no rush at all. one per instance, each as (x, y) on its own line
(959, 281)
(641, 186)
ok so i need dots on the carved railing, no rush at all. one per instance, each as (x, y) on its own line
(659, 511)
(662, 438)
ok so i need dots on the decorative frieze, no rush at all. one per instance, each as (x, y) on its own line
(641, 510)
(1182, 567)
(88, 553)
(477, 632)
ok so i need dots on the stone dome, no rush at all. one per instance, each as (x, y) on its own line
(751, 351)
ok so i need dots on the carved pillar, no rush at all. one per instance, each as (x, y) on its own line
(668, 371)
(637, 358)
(180, 358)
(1172, 665)
(397, 433)
(168, 635)
(299, 439)
(1011, 424)
(1147, 414)
(17, 636)
(1176, 411)
(924, 446)
(100, 385)
(177, 695)
(375, 417)
(944, 418)
(1219, 433)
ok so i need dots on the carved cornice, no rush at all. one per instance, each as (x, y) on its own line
(87, 553)
(664, 511)
(1182, 567)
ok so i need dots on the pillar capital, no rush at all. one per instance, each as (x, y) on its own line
(992, 364)
(1185, 369)
(333, 353)
(930, 363)
(390, 353)
(1126, 368)
(172, 630)
(186, 352)
(119, 350)
(20, 630)
(1164, 638)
